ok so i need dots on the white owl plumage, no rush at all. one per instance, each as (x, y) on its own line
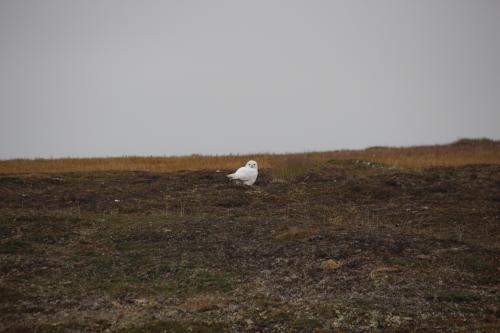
(247, 174)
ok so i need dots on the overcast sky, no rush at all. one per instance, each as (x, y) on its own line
(112, 78)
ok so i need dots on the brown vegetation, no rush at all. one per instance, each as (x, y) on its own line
(462, 152)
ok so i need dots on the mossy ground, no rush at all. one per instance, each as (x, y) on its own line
(190, 252)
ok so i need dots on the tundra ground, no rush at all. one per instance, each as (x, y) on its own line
(349, 245)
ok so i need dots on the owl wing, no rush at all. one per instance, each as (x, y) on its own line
(243, 173)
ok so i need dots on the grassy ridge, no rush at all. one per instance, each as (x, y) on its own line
(462, 152)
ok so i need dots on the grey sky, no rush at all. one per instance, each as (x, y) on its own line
(111, 78)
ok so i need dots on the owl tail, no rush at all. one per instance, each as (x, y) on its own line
(231, 176)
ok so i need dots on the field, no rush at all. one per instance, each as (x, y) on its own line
(382, 239)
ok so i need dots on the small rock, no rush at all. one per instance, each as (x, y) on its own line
(266, 272)
(141, 301)
(233, 307)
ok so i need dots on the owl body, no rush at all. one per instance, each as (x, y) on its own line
(247, 174)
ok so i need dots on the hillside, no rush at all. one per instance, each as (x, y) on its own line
(342, 242)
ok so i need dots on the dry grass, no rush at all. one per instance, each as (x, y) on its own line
(202, 303)
(295, 233)
(462, 152)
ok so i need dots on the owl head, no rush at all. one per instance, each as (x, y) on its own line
(251, 164)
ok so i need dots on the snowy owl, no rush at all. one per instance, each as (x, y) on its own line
(247, 174)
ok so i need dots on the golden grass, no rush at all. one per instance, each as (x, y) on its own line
(294, 233)
(462, 152)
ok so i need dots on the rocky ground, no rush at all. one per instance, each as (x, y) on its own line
(348, 246)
